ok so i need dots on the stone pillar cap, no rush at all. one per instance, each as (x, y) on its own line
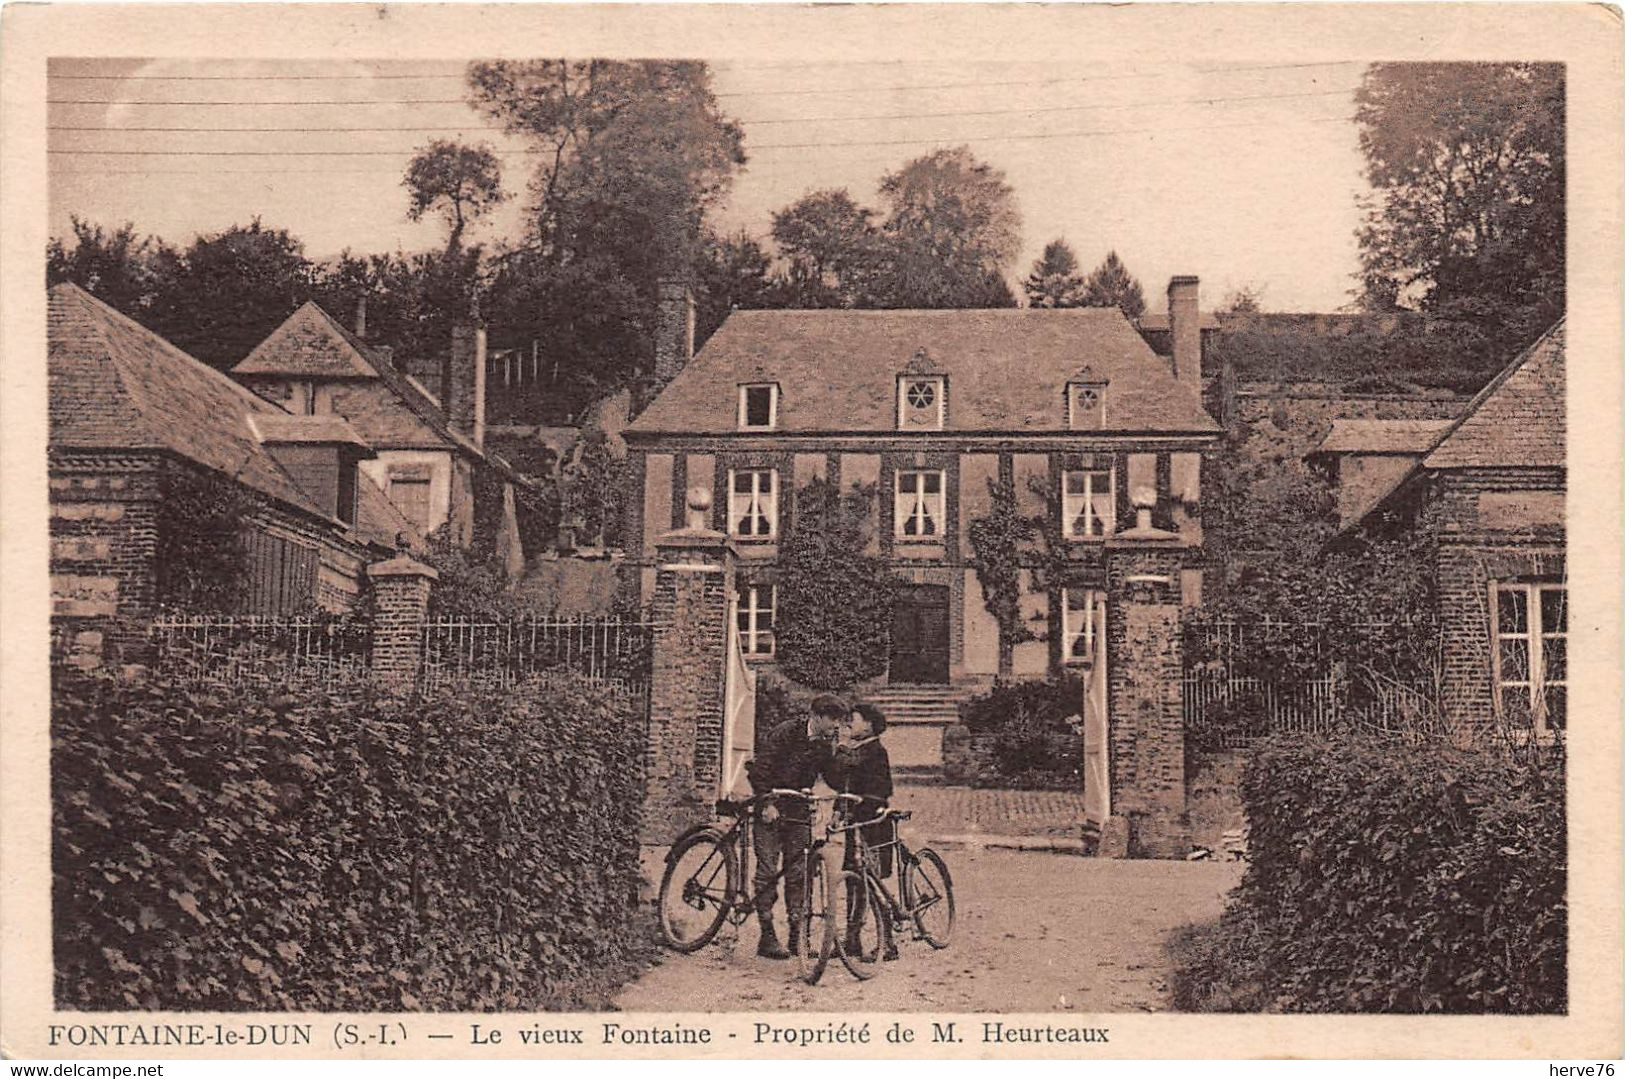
(694, 533)
(403, 566)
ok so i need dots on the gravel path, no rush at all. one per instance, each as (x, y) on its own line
(1035, 933)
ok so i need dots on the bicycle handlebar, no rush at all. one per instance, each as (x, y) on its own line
(885, 815)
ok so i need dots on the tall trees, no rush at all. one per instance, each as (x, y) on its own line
(461, 182)
(632, 156)
(946, 232)
(116, 265)
(1111, 285)
(952, 228)
(1055, 280)
(1466, 162)
(734, 273)
(834, 251)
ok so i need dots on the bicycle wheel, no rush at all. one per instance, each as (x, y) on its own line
(930, 892)
(860, 925)
(697, 891)
(815, 943)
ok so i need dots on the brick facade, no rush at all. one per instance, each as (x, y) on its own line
(947, 560)
(1493, 525)
(104, 545)
(105, 527)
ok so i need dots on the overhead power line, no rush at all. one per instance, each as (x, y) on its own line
(796, 92)
(764, 146)
(1218, 69)
(1093, 107)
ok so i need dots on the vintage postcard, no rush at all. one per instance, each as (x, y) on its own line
(682, 532)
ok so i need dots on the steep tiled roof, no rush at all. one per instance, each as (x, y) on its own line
(1517, 420)
(1007, 371)
(308, 344)
(1157, 321)
(1381, 436)
(116, 385)
(312, 344)
(306, 429)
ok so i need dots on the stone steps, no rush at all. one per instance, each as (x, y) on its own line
(916, 718)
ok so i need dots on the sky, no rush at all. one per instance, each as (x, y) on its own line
(1246, 175)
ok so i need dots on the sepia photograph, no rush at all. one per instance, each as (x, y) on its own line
(630, 532)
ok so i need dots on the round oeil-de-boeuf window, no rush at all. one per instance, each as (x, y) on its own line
(921, 395)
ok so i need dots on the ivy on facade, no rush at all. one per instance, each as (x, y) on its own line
(835, 600)
(202, 550)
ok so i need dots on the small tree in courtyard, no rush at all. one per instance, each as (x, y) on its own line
(835, 600)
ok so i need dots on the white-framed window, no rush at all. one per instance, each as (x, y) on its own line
(759, 406)
(1531, 657)
(1083, 624)
(920, 402)
(753, 503)
(922, 503)
(1088, 503)
(757, 603)
(1086, 406)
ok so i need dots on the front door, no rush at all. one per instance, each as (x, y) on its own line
(919, 634)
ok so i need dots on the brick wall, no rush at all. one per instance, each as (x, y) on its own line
(104, 540)
(401, 588)
(104, 530)
(1477, 547)
(1297, 417)
(693, 581)
(1144, 668)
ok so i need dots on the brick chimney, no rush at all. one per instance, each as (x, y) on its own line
(361, 316)
(1185, 331)
(462, 381)
(674, 329)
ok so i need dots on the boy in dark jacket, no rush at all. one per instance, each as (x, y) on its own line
(794, 755)
(863, 767)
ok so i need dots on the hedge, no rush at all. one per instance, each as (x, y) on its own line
(1393, 877)
(475, 849)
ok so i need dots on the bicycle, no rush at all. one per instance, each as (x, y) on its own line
(706, 882)
(925, 889)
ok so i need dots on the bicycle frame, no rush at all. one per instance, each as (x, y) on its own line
(899, 908)
(740, 836)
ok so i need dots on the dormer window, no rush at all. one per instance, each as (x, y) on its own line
(920, 402)
(759, 406)
(1086, 405)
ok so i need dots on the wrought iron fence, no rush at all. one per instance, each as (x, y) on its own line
(1227, 709)
(1229, 712)
(261, 650)
(605, 649)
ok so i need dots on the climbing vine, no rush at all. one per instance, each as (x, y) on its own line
(834, 599)
(997, 541)
(202, 553)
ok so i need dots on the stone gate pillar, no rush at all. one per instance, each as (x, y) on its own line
(694, 579)
(401, 588)
(1145, 668)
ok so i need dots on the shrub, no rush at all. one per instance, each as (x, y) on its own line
(470, 849)
(1391, 877)
(1030, 742)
